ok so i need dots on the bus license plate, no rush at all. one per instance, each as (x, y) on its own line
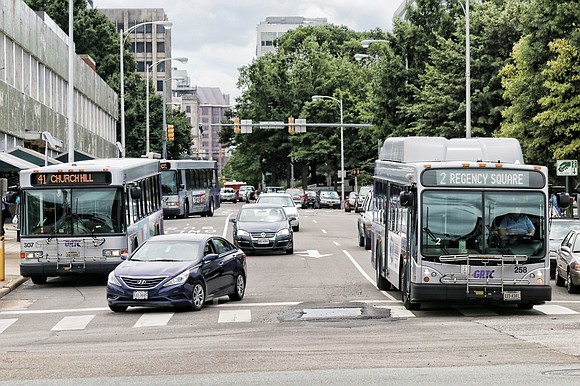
(263, 241)
(140, 295)
(512, 295)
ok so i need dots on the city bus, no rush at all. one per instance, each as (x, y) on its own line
(189, 187)
(437, 225)
(80, 217)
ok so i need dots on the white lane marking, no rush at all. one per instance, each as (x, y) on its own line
(314, 221)
(58, 311)
(399, 312)
(5, 323)
(235, 316)
(226, 226)
(323, 231)
(353, 261)
(552, 309)
(259, 304)
(73, 323)
(150, 320)
(336, 243)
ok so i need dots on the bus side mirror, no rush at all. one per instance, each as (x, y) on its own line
(563, 200)
(136, 193)
(407, 198)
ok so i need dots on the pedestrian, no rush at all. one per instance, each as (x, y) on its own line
(5, 213)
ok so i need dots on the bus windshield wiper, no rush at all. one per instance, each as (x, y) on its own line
(504, 250)
(436, 240)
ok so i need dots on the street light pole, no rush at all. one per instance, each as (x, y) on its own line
(339, 101)
(182, 60)
(167, 25)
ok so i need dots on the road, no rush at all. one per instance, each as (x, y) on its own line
(314, 317)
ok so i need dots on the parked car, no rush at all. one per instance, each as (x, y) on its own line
(350, 202)
(285, 200)
(179, 270)
(228, 195)
(364, 222)
(362, 193)
(559, 227)
(248, 192)
(568, 262)
(311, 198)
(262, 227)
(327, 199)
(300, 198)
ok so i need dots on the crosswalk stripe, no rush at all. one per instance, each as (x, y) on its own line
(5, 323)
(73, 323)
(553, 309)
(150, 320)
(235, 316)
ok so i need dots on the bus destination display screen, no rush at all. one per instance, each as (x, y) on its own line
(492, 178)
(71, 178)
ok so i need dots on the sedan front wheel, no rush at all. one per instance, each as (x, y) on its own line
(240, 288)
(197, 296)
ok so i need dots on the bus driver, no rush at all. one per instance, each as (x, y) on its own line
(516, 224)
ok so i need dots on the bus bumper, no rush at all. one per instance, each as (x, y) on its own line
(30, 267)
(448, 292)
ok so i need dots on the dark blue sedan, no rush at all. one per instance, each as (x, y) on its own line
(182, 271)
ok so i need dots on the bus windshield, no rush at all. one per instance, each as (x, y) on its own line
(169, 182)
(498, 223)
(73, 211)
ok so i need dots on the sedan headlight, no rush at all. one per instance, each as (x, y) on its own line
(113, 279)
(178, 280)
(283, 232)
(242, 233)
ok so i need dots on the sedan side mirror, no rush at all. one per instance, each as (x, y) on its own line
(210, 257)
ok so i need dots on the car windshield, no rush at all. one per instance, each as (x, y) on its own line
(329, 194)
(281, 200)
(167, 251)
(364, 190)
(559, 229)
(262, 215)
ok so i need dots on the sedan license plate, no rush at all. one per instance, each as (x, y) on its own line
(140, 295)
(512, 295)
(263, 241)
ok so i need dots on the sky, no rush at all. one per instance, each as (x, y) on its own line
(219, 36)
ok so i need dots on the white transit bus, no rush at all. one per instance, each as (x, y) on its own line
(189, 187)
(78, 218)
(443, 225)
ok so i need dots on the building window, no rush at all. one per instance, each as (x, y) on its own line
(188, 109)
(160, 29)
(140, 66)
(161, 67)
(159, 85)
(160, 46)
(140, 46)
(205, 111)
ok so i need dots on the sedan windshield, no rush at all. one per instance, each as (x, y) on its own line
(262, 214)
(281, 200)
(167, 251)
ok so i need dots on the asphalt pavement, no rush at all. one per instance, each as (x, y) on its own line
(12, 278)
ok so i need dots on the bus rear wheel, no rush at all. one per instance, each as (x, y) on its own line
(209, 213)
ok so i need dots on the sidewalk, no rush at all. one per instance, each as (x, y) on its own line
(12, 278)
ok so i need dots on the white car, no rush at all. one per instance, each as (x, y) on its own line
(287, 203)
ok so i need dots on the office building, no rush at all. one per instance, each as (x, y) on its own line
(276, 26)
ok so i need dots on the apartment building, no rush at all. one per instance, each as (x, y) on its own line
(275, 26)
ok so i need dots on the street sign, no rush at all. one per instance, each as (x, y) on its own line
(567, 167)
(246, 126)
(272, 125)
(300, 125)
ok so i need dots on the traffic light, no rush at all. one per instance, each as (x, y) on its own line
(291, 127)
(222, 152)
(356, 172)
(170, 133)
(237, 128)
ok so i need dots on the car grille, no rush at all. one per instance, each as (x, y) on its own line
(142, 282)
(262, 235)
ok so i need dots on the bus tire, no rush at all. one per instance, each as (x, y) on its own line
(210, 212)
(38, 279)
(367, 242)
(406, 292)
(361, 239)
(185, 211)
(382, 283)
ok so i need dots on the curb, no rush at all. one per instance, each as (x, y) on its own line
(13, 284)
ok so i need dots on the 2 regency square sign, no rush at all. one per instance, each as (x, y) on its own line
(493, 178)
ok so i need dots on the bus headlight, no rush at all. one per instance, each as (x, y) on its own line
(112, 252)
(33, 255)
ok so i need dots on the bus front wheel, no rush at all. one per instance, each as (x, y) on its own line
(38, 279)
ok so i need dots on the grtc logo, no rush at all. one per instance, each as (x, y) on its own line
(483, 274)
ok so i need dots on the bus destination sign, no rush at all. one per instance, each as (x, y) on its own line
(492, 178)
(71, 178)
